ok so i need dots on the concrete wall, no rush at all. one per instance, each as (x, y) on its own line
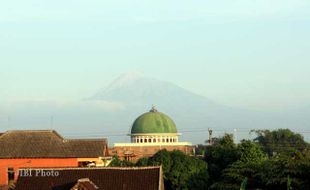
(32, 162)
(135, 152)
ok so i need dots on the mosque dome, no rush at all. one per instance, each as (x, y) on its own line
(153, 122)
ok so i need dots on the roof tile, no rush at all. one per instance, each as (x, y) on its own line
(48, 144)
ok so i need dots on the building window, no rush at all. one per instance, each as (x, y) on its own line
(141, 140)
(150, 140)
(11, 174)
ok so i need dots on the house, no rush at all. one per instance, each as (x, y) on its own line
(101, 178)
(46, 148)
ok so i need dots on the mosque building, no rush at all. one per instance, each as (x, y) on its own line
(151, 132)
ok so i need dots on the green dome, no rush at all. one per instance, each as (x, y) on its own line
(153, 122)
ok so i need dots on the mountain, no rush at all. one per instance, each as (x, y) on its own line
(193, 113)
(111, 111)
(142, 91)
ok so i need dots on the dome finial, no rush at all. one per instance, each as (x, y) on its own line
(153, 109)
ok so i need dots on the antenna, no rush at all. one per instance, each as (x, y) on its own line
(153, 109)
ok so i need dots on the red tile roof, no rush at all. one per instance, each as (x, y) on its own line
(48, 144)
(84, 184)
(145, 178)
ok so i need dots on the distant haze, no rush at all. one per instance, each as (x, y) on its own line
(111, 111)
(221, 64)
(241, 53)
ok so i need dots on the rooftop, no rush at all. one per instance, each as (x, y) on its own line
(153, 122)
(48, 144)
(144, 178)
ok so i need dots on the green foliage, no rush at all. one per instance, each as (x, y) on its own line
(220, 155)
(250, 152)
(247, 167)
(116, 162)
(275, 170)
(163, 158)
(142, 162)
(199, 181)
(281, 141)
(200, 149)
(271, 172)
(244, 183)
(181, 172)
(289, 183)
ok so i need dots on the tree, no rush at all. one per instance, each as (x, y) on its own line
(162, 157)
(250, 152)
(265, 172)
(275, 171)
(281, 141)
(274, 160)
(200, 150)
(247, 167)
(243, 184)
(142, 162)
(220, 155)
(116, 162)
(181, 172)
(199, 181)
(289, 183)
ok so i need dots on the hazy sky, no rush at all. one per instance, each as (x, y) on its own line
(246, 53)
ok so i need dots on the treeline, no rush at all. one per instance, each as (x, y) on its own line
(275, 160)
